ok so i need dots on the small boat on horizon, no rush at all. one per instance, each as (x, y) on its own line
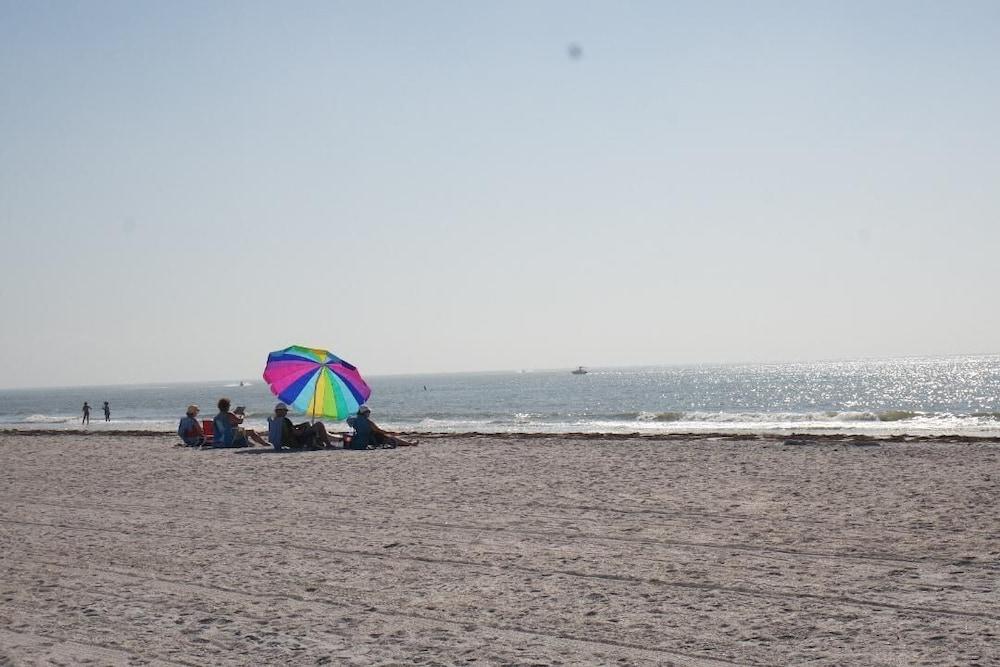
(580, 370)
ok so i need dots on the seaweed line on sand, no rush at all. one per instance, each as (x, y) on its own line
(786, 438)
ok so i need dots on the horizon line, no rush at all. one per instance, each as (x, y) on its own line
(552, 369)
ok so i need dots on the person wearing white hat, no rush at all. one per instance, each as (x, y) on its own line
(368, 434)
(189, 429)
(284, 434)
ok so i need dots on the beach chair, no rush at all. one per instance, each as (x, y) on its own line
(209, 429)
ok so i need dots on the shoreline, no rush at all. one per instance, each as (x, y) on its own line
(795, 437)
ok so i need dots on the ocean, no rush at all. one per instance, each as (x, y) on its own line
(920, 396)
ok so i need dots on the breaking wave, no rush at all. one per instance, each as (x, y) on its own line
(884, 422)
(897, 415)
(645, 416)
(45, 419)
(723, 417)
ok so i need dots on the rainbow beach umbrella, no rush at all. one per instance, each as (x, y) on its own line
(315, 382)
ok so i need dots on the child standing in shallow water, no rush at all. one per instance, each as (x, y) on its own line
(86, 413)
(107, 412)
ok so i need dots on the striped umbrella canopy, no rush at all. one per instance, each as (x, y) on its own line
(315, 382)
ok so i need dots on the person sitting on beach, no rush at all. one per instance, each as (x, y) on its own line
(284, 434)
(368, 434)
(228, 429)
(190, 428)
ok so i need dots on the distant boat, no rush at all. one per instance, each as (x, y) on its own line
(580, 370)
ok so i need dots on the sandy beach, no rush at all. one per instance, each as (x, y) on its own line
(124, 549)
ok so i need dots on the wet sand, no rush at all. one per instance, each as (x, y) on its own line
(123, 549)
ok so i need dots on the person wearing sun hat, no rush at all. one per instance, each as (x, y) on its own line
(284, 434)
(368, 434)
(190, 428)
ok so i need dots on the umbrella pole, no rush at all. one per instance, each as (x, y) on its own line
(312, 418)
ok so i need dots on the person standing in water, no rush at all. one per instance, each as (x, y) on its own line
(86, 413)
(107, 412)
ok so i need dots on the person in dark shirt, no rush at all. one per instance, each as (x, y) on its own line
(86, 413)
(368, 434)
(284, 434)
(107, 412)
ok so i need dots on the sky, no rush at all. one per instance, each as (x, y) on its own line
(440, 186)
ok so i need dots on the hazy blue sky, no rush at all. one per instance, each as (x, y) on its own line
(439, 186)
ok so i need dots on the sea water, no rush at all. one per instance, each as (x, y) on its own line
(949, 395)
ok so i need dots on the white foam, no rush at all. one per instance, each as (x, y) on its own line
(46, 419)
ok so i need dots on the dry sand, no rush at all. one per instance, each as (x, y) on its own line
(487, 550)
